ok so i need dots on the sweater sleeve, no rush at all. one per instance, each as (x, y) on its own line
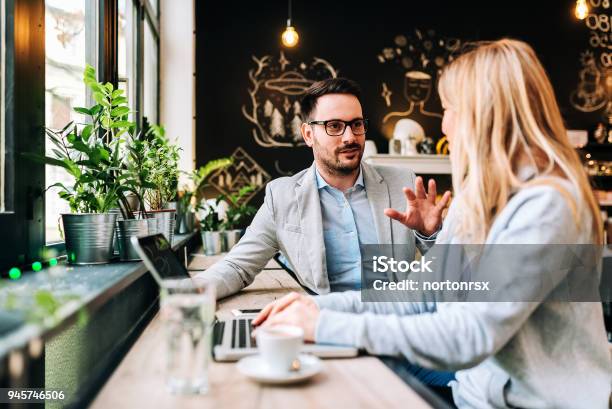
(350, 301)
(462, 334)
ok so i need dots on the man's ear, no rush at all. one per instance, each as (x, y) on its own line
(307, 133)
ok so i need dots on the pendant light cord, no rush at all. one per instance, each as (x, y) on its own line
(289, 19)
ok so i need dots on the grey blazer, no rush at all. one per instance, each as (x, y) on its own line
(539, 354)
(290, 221)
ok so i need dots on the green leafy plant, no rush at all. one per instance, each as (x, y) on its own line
(42, 307)
(91, 152)
(239, 214)
(191, 196)
(161, 163)
(211, 221)
(138, 178)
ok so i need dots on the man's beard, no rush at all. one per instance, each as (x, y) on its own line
(334, 165)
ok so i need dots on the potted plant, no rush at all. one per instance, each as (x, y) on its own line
(90, 153)
(192, 199)
(192, 194)
(136, 179)
(185, 213)
(237, 216)
(211, 225)
(161, 163)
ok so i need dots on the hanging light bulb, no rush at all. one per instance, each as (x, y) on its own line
(290, 37)
(582, 10)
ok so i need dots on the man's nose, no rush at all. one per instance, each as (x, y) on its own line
(347, 136)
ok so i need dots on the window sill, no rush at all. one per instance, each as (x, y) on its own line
(92, 286)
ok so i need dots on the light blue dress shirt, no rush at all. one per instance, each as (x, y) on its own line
(347, 222)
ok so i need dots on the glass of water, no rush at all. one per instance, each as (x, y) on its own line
(187, 309)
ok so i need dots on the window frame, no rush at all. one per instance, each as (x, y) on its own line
(24, 96)
(145, 15)
(3, 157)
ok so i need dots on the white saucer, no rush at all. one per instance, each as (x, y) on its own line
(255, 368)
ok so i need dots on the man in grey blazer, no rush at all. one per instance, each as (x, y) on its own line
(318, 218)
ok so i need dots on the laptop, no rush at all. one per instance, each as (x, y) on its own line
(156, 252)
(232, 339)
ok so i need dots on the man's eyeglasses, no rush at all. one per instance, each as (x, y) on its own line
(336, 127)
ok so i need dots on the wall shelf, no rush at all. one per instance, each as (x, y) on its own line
(596, 146)
(420, 164)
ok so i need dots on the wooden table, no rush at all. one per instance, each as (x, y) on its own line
(362, 382)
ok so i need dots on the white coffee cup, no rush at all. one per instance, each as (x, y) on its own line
(279, 346)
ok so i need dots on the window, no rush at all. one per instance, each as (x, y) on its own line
(72, 39)
(126, 49)
(66, 49)
(41, 68)
(150, 92)
(138, 57)
(153, 4)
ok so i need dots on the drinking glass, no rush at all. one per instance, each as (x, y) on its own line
(187, 309)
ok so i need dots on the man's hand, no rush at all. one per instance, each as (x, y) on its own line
(422, 213)
(293, 309)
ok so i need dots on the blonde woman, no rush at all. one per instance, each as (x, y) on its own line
(516, 179)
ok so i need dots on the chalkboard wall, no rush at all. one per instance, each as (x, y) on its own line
(247, 85)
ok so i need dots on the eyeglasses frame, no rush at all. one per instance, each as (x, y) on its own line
(366, 122)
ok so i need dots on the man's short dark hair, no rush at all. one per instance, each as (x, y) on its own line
(328, 86)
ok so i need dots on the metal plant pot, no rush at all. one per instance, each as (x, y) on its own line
(185, 218)
(166, 220)
(180, 214)
(185, 222)
(116, 211)
(126, 229)
(89, 237)
(231, 237)
(213, 242)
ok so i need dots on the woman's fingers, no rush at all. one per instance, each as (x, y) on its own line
(284, 303)
(284, 317)
(275, 307)
(278, 319)
(303, 313)
(268, 309)
(263, 314)
(294, 314)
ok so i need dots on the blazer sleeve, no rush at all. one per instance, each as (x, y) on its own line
(249, 256)
(424, 243)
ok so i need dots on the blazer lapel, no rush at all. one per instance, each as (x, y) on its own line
(311, 223)
(378, 196)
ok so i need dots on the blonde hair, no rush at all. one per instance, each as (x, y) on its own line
(507, 117)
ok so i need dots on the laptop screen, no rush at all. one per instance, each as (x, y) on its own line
(159, 253)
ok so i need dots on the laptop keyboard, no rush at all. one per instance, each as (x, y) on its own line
(241, 333)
